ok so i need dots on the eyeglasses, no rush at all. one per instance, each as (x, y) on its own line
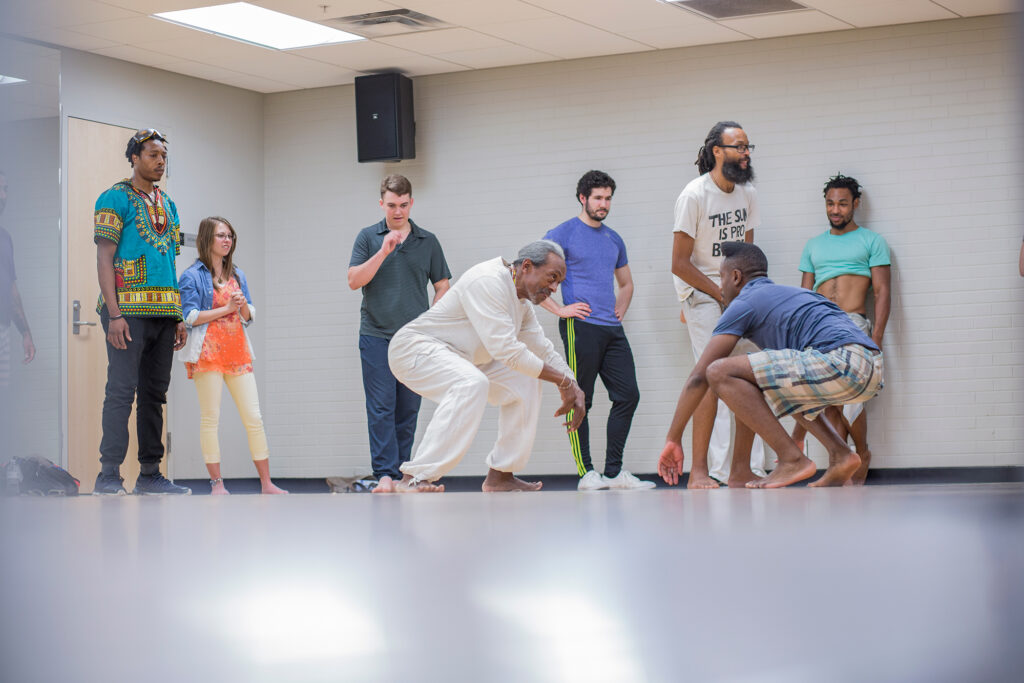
(148, 134)
(224, 236)
(739, 148)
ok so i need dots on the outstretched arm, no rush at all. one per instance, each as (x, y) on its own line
(670, 464)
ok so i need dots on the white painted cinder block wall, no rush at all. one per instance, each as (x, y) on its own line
(926, 116)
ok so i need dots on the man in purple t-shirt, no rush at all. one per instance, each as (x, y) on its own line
(591, 328)
(813, 356)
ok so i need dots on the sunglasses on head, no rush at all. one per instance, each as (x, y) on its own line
(148, 134)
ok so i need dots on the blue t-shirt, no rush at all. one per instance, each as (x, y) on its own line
(852, 253)
(781, 317)
(592, 255)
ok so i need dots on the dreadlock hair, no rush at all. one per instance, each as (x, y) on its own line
(843, 182)
(135, 147)
(746, 258)
(706, 154)
(592, 179)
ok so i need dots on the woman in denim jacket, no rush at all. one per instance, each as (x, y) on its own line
(217, 308)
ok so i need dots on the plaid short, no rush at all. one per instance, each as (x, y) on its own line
(807, 381)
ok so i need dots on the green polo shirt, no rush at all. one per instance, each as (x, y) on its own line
(398, 292)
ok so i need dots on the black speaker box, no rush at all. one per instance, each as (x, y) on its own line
(385, 128)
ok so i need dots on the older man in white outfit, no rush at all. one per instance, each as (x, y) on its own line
(482, 344)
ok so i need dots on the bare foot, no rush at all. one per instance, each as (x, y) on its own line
(741, 480)
(407, 485)
(700, 481)
(785, 474)
(385, 485)
(840, 469)
(271, 489)
(218, 489)
(861, 474)
(505, 481)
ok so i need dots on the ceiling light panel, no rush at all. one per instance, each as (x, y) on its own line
(258, 26)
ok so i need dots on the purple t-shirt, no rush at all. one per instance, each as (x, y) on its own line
(592, 255)
(781, 317)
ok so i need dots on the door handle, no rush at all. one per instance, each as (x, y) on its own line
(76, 309)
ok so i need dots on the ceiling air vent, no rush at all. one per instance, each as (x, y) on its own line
(731, 9)
(389, 23)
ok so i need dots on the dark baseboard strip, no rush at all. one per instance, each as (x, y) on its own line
(567, 482)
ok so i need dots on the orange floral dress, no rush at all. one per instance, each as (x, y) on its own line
(225, 347)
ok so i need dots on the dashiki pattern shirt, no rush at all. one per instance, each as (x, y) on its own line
(147, 234)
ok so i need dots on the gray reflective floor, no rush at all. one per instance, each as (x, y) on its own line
(895, 583)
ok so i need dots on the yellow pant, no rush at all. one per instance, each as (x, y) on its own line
(243, 390)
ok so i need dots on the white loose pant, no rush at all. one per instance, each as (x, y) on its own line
(462, 391)
(702, 313)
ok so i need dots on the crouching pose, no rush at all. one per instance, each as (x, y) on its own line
(813, 356)
(482, 344)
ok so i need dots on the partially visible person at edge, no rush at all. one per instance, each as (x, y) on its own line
(11, 309)
(218, 308)
(844, 264)
(137, 240)
(812, 356)
(718, 206)
(392, 261)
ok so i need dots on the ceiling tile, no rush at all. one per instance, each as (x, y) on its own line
(136, 55)
(507, 55)
(562, 37)
(619, 16)
(314, 10)
(370, 56)
(973, 8)
(881, 12)
(476, 12)
(673, 36)
(218, 74)
(72, 39)
(19, 16)
(443, 40)
(786, 24)
(148, 7)
(135, 31)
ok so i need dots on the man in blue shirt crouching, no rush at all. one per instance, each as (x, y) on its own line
(812, 356)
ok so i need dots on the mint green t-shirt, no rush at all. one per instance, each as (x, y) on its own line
(854, 253)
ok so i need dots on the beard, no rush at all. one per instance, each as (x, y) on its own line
(597, 214)
(735, 173)
(841, 225)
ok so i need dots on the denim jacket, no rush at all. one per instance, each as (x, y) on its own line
(196, 285)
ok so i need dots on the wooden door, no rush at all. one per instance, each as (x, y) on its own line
(95, 162)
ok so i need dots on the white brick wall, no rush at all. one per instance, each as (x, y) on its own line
(925, 116)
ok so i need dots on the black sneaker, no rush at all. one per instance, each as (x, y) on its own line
(158, 485)
(108, 485)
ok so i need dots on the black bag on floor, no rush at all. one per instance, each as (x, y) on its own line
(36, 476)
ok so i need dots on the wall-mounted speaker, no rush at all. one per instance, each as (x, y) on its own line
(385, 127)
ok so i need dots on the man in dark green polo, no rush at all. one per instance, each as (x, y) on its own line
(392, 261)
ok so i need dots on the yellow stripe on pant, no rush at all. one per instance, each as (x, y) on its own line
(574, 439)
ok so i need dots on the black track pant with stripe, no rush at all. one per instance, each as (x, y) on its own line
(593, 351)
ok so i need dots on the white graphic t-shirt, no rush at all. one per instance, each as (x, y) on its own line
(711, 217)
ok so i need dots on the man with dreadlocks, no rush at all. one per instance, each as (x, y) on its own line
(136, 235)
(717, 207)
(813, 356)
(843, 264)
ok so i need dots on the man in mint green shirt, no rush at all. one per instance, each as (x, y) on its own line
(844, 264)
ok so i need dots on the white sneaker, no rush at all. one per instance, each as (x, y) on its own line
(592, 481)
(627, 480)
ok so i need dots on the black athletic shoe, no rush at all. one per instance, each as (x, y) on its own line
(108, 485)
(158, 485)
